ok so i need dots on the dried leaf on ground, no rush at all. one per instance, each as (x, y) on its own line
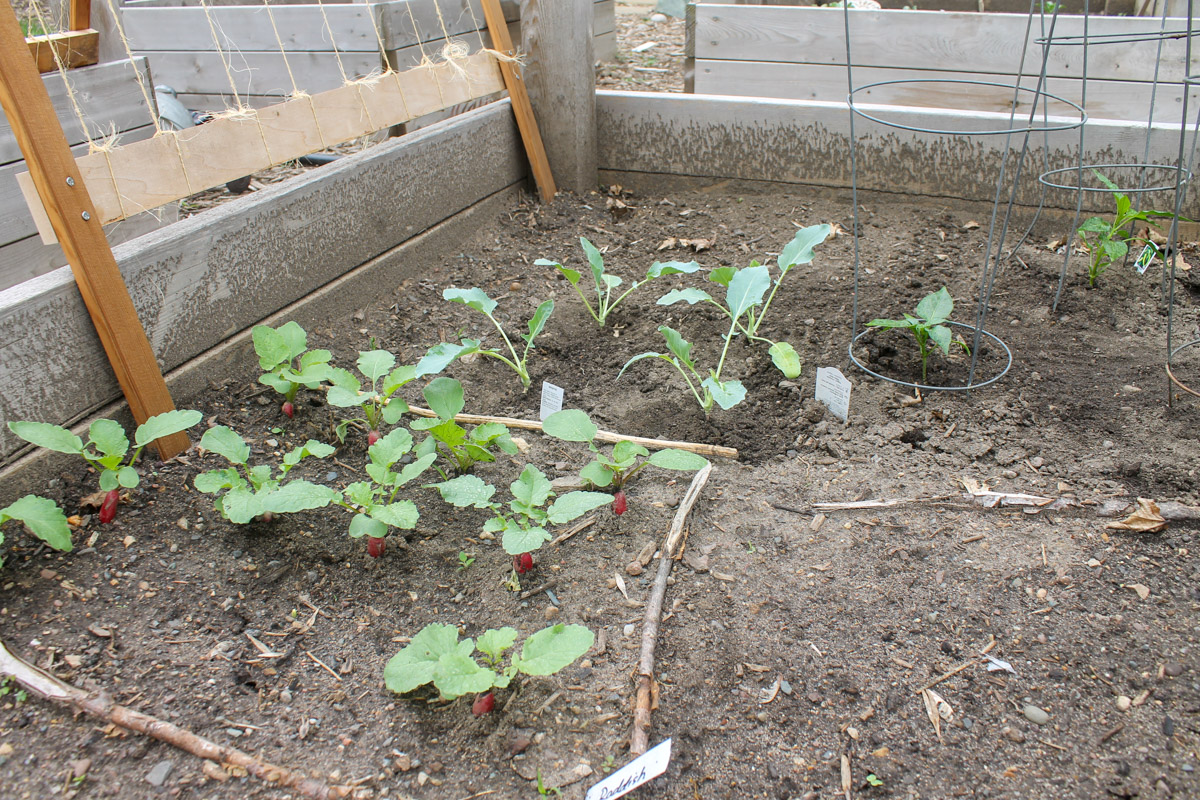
(1146, 518)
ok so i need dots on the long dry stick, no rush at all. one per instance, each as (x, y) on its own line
(48, 687)
(639, 737)
(601, 436)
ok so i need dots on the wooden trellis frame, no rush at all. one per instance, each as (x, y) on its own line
(78, 46)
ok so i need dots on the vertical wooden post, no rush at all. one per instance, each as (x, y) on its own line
(79, 17)
(560, 74)
(25, 101)
(522, 110)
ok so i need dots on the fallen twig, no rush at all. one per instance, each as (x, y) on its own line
(582, 525)
(550, 584)
(949, 674)
(323, 664)
(48, 687)
(601, 436)
(639, 738)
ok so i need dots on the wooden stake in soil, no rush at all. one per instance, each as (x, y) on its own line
(639, 737)
(601, 436)
(52, 167)
(48, 687)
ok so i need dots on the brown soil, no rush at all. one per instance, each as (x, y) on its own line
(854, 610)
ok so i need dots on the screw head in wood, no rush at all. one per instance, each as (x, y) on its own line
(70, 181)
(86, 216)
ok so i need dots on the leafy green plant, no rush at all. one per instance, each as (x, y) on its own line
(6, 687)
(373, 502)
(872, 778)
(377, 401)
(605, 282)
(477, 299)
(545, 790)
(522, 522)
(617, 468)
(465, 560)
(461, 449)
(245, 492)
(926, 325)
(1108, 241)
(42, 517)
(286, 361)
(727, 394)
(436, 655)
(107, 448)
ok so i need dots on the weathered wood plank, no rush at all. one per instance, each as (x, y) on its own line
(803, 142)
(108, 95)
(1105, 99)
(261, 73)
(29, 257)
(15, 220)
(206, 278)
(73, 48)
(248, 28)
(988, 43)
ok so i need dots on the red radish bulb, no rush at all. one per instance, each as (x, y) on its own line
(289, 409)
(483, 704)
(108, 509)
(376, 545)
(523, 563)
(372, 438)
(619, 504)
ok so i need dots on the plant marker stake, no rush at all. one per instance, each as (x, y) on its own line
(645, 767)
(833, 389)
(36, 128)
(552, 400)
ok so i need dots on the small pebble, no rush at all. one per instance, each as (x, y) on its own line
(1036, 715)
(1173, 669)
(658, 18)
(158, 775)
(285, 696)
(1013, 735)
(1124, 703)
(629, 629)
(551, 612)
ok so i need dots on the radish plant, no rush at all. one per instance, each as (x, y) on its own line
(461, 448)
(287, 362)
(373, 502)
(627, 459)
(436, 655)
(42, 517)
(377, 401)
(605, 282)
(522, 522)
(727, 394)
(926, 325)
(477, 299)
(245, 492)
(107, 447)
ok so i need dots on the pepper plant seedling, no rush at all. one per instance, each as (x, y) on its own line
(605, 282)
(926, 325)
(1108, 241)
(436, 655)
(522, 523)
(42, 517)
(373, 502)
(245, 492)
(477, 299)
(287, 362)
(461, 449)
(107, 448)
(626, 459)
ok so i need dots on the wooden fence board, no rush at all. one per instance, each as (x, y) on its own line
(108, 95)
(977, 43)
(248, 28)
(205, 278)
(1106, 99)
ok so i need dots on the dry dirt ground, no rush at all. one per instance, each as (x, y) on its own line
(797, 639)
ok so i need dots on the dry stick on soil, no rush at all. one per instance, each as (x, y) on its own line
(639, 737)
(48, 687)
(601, 436)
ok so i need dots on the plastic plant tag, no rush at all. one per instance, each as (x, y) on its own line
(552, 399)
(645, 767)
(833, 389)
(1146, 257)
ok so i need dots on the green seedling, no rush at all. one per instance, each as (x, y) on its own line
(460, 448)
(107, 449)
(874, 779)
(477, 299)
(287, 363)
(373, 502)
(605, 282)
(615, 469)
(522, 521)
(6, 688)
(926, 325)
(465, 560)
(377, 401)
(435, 655)
(544, 790)
(245, 492)
(1108, 241)
(42, 517)
(726, 394)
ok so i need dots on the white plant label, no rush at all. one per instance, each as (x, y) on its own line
(1146, 258)
(552, 399)
(646, 767)
(833, 389)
